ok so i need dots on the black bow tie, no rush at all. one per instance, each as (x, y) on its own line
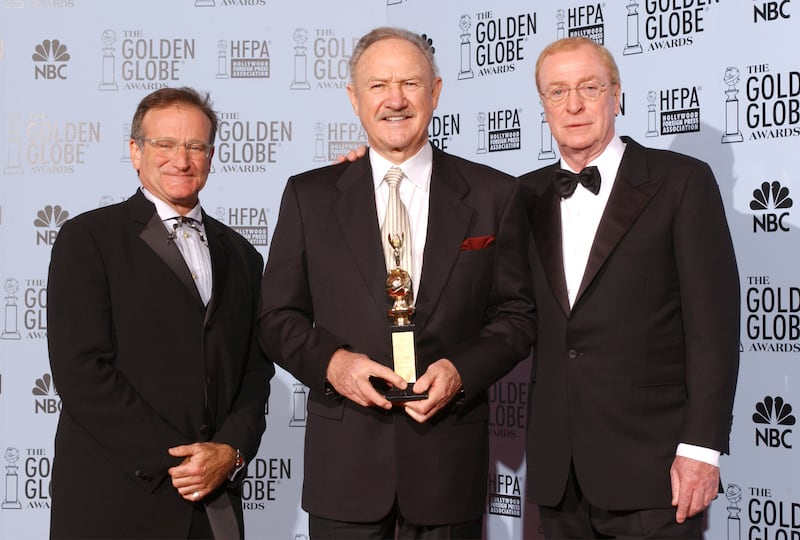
(565, 181)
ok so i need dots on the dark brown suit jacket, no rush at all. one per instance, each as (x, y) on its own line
(648, 355)
(141, 365)
(324, 288)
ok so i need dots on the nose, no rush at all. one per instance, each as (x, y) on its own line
(181, 158)
(396, 97)
(574, 101)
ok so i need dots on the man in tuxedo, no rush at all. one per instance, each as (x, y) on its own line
(637, 298)
(151, 317)
(372, 464)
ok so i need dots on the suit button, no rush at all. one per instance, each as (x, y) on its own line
(204, 429)
(572, 353)
(143, 475)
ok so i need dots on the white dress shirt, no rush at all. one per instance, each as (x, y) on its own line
(192, 245)
(581, 213)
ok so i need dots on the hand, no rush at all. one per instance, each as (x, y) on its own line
(442, 381)
(205, 467)
(352, 155)
(349, 374)
(694, 486)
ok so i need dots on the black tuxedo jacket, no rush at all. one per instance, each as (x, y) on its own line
(324, 289)
(141, 365)
(648, 355)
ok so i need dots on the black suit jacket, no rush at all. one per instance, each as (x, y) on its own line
(648, 355)
(324, 288)
(141, 365)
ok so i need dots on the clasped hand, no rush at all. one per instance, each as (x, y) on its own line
(350, 373)
(204, 468)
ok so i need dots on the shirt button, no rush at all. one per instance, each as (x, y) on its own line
(572, 353)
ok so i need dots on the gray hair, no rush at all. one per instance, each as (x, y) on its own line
(387, 32)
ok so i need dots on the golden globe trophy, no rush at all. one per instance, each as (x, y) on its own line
(400, 290)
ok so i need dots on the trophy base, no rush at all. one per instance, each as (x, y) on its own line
(395, 394)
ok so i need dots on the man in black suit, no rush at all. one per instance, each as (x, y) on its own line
(637, 297)
(372, 465)
(151, 315)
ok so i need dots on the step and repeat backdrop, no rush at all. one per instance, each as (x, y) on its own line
(717, 80)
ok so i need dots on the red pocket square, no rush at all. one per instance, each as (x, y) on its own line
(477, 242)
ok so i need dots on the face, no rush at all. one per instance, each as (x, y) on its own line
(582, 128)
(394, 93)
(178, 179)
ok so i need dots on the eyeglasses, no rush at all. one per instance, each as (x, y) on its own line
(589, 90)
(167, 148)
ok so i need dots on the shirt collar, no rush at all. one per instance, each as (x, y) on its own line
(607, 163)
(166, 212)
(417, 168)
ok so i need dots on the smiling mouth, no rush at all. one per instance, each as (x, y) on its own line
(396, 117)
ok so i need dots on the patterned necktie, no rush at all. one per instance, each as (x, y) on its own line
(396, 223)
(566, 182)
(192, 223)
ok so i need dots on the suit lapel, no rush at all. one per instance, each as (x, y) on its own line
(633, 190)
(219, 247)
(357, 218)
(155, 235)
(448, 222)
(545, 217)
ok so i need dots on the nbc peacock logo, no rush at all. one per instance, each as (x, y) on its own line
(770, 202)
(50, 60)
(48, 220)
(47, 400)
(775, 415)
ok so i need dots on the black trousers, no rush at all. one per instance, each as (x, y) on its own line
(392, 527)
(201, 528)
(576, 518)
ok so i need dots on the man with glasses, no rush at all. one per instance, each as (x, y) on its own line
(637, 298)
(151, 311)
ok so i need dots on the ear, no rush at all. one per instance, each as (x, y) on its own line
(351, 93)
(136, 154)
(436, 91)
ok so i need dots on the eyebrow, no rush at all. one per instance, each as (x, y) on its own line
(580, 81)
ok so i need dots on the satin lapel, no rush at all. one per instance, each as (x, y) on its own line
(219, 247)
(357, 219)
(545, 216)
(633, 190)
(155, 235)
(448, 222)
